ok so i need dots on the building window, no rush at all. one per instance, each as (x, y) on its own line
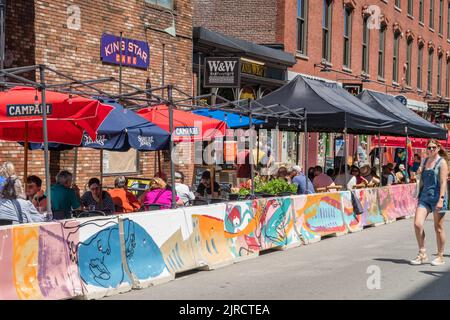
(365, 46)
(398, 3)
(421, 11)
(430, 72)
(162, 3)
(381, 46)
(441, 16)
(395, 57)
(326, 30)
(409, 44)
(347, 36)
(448, 21)
(431, 24)
(302, 22)
(410, 7)
(439, 77)
(447, 70)
(419, 68)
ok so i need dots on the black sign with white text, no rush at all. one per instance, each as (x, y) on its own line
(438, 106)
(222, 72)
(26, 110)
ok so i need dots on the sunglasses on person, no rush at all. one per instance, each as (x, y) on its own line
(431, 148)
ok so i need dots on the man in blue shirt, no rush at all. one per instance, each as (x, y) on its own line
(304, 184)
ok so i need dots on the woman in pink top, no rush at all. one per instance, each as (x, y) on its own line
(159, 194)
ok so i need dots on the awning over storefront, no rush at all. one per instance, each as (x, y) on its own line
(390, 106)
(230, 44)
(331, 108)
(400, 142)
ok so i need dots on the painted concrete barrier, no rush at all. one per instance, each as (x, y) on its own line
(35, 263)
(319, 215)
(158, 245)
(371, 215)
(353, 222)
(101, 256)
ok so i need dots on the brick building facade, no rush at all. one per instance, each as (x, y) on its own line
(65, 35)
(415, 24)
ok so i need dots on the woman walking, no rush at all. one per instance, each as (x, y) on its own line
(432, 198)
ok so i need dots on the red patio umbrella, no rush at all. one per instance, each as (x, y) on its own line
(187, 126)
(67, 117)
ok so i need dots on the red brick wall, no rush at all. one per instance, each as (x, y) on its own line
(249, 20)
(38, 34)
(314, 49)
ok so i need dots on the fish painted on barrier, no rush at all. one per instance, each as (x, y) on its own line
(318, 215)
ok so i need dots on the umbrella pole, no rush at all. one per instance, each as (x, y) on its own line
(75, 166)
(25, 160)
(45, 134)
(172, 164)
(101, 166)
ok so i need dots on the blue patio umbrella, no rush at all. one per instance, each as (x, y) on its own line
(122, 129)
(233, 120)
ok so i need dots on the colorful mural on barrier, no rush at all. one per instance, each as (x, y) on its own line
(369, 201)
(158, 245)
(94, 245)
(318, 215)
(397, 201)
(351, 220)
(211, 246)
(100, 256)
(35, 264)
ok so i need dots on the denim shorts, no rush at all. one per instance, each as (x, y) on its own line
(430, 204)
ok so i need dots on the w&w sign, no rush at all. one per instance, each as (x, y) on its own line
(222, 72)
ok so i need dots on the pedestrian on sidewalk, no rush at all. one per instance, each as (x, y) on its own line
(432, 198)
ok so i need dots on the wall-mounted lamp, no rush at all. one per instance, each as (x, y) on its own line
(170, 30)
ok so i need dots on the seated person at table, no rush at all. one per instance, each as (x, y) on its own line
(341, 179)
(183, 190)
(124, 200)
(65, 197)
(15, 210)
(204, 188)
(163, 176)
(401, 175)
(283, 174)
(321, 180)
(367, 173)
(360, 180)
(159, 195)
(97, 199)
(35, 194)
(388, 178)
(304, 185)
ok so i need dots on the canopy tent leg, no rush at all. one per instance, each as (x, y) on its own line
(345, 157)
(297, 142)
(250, 156)
(379, 155)
(406, 154)
(45, 133)
(306, 153)
(101, 166)
(172, 164)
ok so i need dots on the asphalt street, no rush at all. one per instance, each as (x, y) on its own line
(372, 264)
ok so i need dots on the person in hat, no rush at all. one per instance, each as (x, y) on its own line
(366, 173)
(183, 191)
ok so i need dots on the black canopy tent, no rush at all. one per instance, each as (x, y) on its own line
(416, 125)
(330, 108)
